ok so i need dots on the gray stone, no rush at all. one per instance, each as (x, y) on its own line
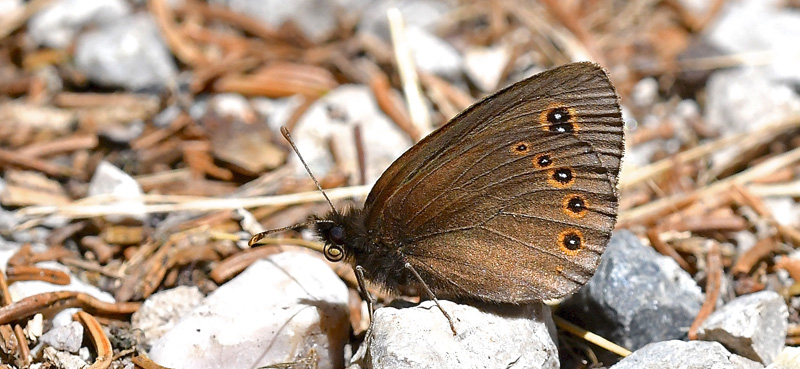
(57, 24)
(65, 338)
(232, 106)
(434, 55)
(698, 8)
(161, 311)
(199, 108)
(31, 235)
(425, 14)
(637, 296)
(274, 312)
(747, 99)
(645, 97)
(489, 337)
(333, 118)
(739, 28)
(680, 354)
(752, 325)
(745, 240)
(784, 209)
(167, 116)
(645, 92)
(63, 359)
(276, 111)
(122, 133)
(128, 53)
(110, 180)
(789, 358)
(56, 221)
(485, 65)
(316, 18)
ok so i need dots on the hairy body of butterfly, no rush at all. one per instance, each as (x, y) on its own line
(512, 201)
(383, 264)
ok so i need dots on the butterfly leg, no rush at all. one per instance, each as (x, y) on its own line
(370, 303)
(432, 297)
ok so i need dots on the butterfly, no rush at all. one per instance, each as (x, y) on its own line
(511, 201)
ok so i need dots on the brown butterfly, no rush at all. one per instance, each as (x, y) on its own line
(512, 201)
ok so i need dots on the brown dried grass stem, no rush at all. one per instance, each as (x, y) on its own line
(99, 340)
(107, 205)
(747, 139)
(713, 284)
(645, 213)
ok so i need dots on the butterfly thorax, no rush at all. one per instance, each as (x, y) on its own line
(347, 238)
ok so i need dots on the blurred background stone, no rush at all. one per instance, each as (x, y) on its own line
(679, 354)
(128, 52)
(753, 326)
(61, 21)
(636, 297)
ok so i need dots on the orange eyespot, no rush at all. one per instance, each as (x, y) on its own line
(570, 241)
(575, 205)
(560, 177)
(542, 161)
(521, 148)
(558, 119)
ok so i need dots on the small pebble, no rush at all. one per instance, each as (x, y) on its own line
(65, 338)
(488, 337)
(689, 355)
(274, 312)
(752, 325)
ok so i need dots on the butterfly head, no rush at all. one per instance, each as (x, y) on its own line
(334, 237)
(341, 233)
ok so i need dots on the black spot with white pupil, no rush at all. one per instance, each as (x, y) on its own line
(337, 235)
(522, 147)
(563, 176)
(559, 120)
(544, 161)
(572, 241)
(576, 205)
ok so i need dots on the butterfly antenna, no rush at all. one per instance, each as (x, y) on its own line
(288, 137)
(256, 239)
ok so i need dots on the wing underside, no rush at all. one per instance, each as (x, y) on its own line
(492, 205)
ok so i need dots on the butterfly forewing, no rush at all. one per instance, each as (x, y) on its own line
(515, 198)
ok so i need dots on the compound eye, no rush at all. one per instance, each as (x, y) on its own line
(333, 253)
(336, 235)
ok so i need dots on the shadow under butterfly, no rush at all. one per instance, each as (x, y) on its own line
(512, 201)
